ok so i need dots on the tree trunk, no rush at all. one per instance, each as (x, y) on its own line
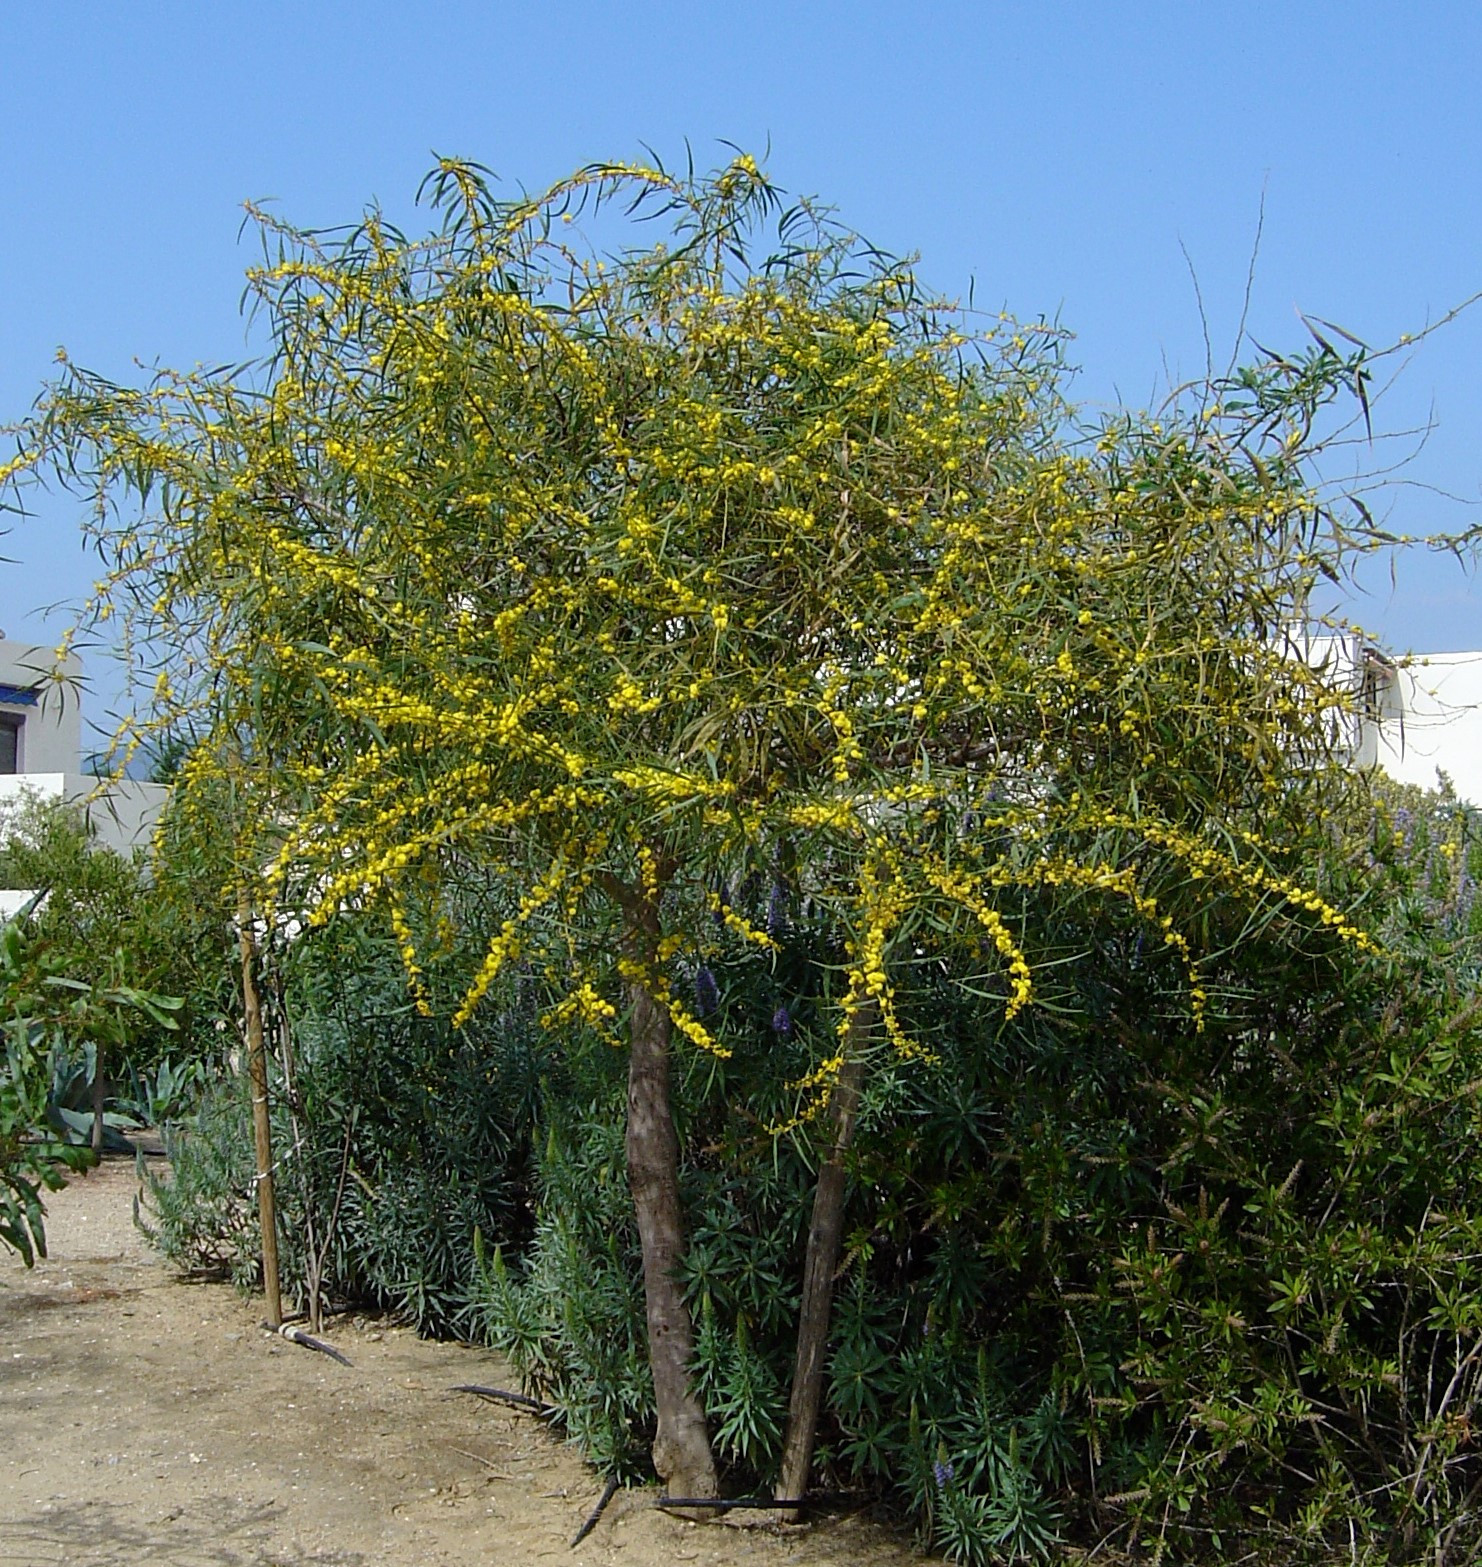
(257, 1071)
(681, 1450)
(825, 1242)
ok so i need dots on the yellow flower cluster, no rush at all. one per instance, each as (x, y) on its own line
(681, 558)
(408, 950)
(739, 924)
(629, 697)
(815, 1090)
(660, 784)
(1203, 859)
(839, 814)
(657, 986)
(582, 1004)
(508, 943)
(962, 889)
(24, 459)
(884, 898)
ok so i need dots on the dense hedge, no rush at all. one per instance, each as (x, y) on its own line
(1104, 1279)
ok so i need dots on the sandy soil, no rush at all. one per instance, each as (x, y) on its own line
(143, 1419)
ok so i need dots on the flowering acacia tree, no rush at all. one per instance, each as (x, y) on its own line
(611, 577)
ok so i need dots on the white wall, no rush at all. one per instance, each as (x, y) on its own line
(1414, 716)
(13, 900)
(51, 729)
(1440, 723)
(122, 815)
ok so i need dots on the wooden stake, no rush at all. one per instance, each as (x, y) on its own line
(262, 1131)
(98, 1098)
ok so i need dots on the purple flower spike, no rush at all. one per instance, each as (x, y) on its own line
(707, 992)
(782, 1022)
(944, 1473)
(776, 909)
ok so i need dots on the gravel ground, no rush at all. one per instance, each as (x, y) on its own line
(148, 1420)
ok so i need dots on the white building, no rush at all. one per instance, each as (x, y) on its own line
(40, 716)
(1414, 716)
(41, 754)
(1429, 721)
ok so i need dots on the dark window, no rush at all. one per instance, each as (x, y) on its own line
(10, 743)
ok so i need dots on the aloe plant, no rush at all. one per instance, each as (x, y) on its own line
(49, 1020)
(32, 1158)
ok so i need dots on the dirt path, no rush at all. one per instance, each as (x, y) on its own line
(147, 1420)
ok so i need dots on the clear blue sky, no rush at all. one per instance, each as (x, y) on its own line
(1064, 156)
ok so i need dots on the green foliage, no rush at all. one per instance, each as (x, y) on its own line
(149, 1099)
(105, 929)
(69, 1103)
(572, 1321)
(1103, 1281)
(164, 1095)
(51, 1021)
(92, 899)
(735, 535)
(202, 1216)
(32, 1159)
(398, 1139)
(1423, 848)
(627, 588)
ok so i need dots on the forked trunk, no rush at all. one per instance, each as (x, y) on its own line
(257, 1072)
(825, 1243)
(681, 1450)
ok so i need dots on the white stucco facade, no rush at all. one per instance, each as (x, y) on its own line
(121, 814)
(41, 753)
(1414, 716)
(1432, 722)
(45, 712)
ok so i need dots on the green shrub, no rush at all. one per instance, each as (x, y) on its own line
(1105, 1279)
(32, 1158)
(103, 922)
(396, 1140)
(46, 1015)
(202, 1215)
